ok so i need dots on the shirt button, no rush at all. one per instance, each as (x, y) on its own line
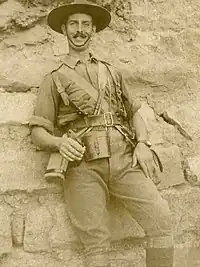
(79, 112)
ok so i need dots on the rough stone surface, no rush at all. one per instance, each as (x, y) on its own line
(192, 171)
(28, 19)
(185, 116)
(15, 176)
(38, 224)
(5, 232)
(62, 234)
(24, 259)
(172, 169)
(23, 167)
(17, 226)
(16, 108)
(13, 86)
(184, 204)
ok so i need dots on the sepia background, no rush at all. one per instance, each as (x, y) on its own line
(158, 43)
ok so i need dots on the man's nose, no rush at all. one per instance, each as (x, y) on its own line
(80, 27)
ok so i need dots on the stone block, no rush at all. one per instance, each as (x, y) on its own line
(19, 63)
(13, 86)
(34, 36)
(10, 7)
(22, 168)
(24, 171)
(4, 22)
(184, 202)
(62, 233)
(17, 225)
(28, 19)
(192, 170)
(37, 227)
(5, 232)
(16, 108)
(193, 256)
(184, 117)
(172, 174)
(24, 259)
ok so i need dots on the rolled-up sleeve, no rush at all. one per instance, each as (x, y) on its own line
(46, 108)
(131, 101)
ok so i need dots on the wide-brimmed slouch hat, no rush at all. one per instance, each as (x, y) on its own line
(101, 16)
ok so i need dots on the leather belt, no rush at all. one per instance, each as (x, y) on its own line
(106, 120)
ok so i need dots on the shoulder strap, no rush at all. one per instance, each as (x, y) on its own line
(60, 88)
(102, 81)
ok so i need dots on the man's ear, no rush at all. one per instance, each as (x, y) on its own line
(94, 29)
(63, 28)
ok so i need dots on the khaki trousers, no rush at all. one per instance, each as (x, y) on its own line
(88, 187)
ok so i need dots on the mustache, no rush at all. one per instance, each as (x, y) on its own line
(80, 34)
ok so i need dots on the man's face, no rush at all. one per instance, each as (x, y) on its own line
(79, 30)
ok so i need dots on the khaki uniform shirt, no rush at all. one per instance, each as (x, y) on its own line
(51, 112)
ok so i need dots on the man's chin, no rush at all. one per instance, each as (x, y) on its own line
(79, 46)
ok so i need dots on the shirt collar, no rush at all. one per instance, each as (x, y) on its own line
(72, 62)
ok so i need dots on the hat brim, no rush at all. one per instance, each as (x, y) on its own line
(59, 15)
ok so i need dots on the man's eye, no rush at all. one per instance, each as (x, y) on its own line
(86, 24)
(72, 23)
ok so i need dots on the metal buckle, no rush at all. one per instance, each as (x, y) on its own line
(108, 119)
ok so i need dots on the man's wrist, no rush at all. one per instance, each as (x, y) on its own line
(57, 142)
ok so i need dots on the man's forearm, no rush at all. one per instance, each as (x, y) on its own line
(140, 127)
(44, 140)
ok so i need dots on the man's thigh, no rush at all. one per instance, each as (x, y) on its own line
(141, 197)
(86, 195)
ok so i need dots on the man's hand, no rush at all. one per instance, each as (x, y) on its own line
(143, 155)
(70, 149)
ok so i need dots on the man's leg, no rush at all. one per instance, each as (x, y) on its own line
(141, 197)
(86, 196)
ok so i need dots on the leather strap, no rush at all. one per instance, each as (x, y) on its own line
(107, 120)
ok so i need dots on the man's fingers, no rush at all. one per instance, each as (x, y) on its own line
(76, 146)
(71, 149)
(69, 156)
(134, 160)
(157, 179)
(150, 168)
(153, 172)
(144, 168)
(68, 148)
(66, 157)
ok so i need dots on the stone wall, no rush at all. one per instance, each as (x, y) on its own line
(158, 42)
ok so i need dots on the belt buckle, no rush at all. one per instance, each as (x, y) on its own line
(108, 119)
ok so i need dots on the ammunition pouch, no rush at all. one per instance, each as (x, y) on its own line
(97, 145)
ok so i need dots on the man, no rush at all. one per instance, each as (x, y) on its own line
(90, 98)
